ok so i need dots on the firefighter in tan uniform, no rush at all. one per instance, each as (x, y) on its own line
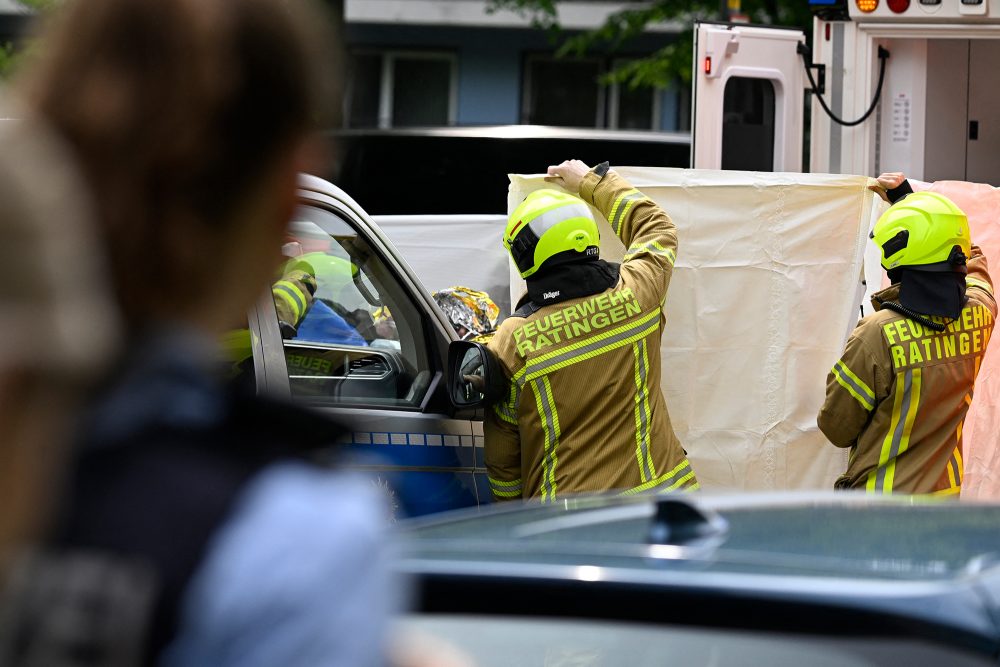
(899, 394)
(584, 411)
(293, 295)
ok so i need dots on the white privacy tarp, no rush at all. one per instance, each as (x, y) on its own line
(449, 250)
(764, 293)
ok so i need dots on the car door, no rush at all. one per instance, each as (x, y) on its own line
(371, 353)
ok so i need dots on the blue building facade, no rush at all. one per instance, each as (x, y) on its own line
(418, 62)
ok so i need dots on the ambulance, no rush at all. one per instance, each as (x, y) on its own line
(886, 85)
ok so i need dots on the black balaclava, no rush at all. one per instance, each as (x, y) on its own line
(931, 293)
(570, 275)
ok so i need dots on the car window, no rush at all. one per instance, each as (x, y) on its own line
(351, 333)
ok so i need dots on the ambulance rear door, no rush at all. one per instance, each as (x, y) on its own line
(748, 98)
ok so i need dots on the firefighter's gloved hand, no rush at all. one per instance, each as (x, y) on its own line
(569, 174)
(288, 332)
(889, 183)
(891, 179)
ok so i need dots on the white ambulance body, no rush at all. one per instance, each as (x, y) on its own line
(936, 117)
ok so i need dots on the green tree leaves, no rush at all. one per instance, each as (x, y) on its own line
(670, 63)
(11, 55)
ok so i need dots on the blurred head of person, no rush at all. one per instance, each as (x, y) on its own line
(57, 322)
(191, 120)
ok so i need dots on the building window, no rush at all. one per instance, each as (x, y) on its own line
(401, 89)
(563, 92)
(568, 93)
(629, 109)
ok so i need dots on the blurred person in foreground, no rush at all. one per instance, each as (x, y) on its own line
(59, 329)
(190, 120)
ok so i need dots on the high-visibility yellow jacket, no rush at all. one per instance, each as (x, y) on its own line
(584, 411)
(899, 394)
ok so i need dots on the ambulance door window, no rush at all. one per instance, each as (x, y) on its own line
(748, 124)
(351, 333)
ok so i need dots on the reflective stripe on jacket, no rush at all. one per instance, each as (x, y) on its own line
(584, 410)
(292, 296)
(899, 394)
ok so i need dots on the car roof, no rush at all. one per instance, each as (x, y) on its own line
(818, 535)
(464, 170)
(523, 132)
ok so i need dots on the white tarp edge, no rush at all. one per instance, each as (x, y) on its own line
(449, 250)
(764, 294)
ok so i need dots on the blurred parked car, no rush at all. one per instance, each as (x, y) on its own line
(700, 580)
(469, 162)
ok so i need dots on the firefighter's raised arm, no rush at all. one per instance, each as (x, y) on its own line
(649, 235)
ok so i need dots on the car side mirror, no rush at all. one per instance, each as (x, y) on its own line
(475, 378)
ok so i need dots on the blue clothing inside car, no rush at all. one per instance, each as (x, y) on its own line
(323, 325)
